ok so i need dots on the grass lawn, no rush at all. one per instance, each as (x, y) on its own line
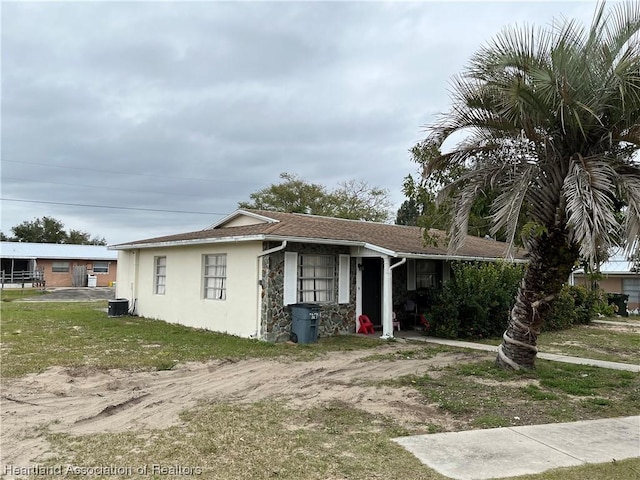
(38, 335)
(596, 341)
(331, 440)
(269, 440)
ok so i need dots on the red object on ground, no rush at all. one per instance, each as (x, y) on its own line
(366, 326)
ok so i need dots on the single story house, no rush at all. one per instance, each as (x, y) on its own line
(618, 275)
(57, 265)
(241, 274)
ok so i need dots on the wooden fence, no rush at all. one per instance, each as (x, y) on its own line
(35, 277)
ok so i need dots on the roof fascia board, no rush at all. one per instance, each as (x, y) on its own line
(238, 213)
(328, 241)
(382, 250)
(464, 258)
(607, 274)
(320, 241)
(182, 243)
(261, 237)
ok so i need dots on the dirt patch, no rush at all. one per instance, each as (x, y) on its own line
(72, 294)
(85, 401)
(617, 327)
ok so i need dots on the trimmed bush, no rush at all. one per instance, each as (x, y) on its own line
(475, 302)
(576, 305)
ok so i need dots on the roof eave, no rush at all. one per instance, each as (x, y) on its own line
(464, 258)
(314, 240)
(182, 243)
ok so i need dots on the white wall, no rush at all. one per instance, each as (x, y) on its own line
(125, 274)
(184, 301)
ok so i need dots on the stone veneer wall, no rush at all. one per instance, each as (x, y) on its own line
(335, 319)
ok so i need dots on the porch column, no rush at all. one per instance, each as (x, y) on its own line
(387, 300)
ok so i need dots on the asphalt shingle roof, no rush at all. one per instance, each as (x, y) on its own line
(300, 227)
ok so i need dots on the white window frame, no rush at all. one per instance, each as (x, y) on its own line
(160, 275)
(101, 267)
(316, 278)
(215, 276)
(60, 266)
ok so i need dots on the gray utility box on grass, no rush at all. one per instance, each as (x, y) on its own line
(305, 320)
(118, 307)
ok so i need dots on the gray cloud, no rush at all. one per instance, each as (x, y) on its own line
(191, 106)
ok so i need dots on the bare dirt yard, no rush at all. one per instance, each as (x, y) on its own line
(84, 401)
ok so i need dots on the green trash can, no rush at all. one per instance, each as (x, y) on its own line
(620, 300)
(305, 320)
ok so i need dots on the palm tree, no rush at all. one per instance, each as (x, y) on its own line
(552, 124)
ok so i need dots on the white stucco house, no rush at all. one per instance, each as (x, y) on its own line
(241, 274)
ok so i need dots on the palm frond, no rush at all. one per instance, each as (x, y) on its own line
(571, 95)
(508, 205)
(630, 186)
(589, 189)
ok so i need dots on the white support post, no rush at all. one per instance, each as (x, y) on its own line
(387, 301)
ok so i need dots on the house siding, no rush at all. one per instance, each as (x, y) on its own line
(183, 301)
(335, 318)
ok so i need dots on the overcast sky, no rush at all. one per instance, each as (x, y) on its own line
(190, 107)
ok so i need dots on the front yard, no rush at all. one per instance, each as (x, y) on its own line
(82, 389)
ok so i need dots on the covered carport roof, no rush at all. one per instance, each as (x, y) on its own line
(55, 251)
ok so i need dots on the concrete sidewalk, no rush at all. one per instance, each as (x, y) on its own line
(545, 356)
(513, 451)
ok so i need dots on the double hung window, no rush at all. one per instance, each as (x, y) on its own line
(215, 277)
(160, 275)
(316, 277)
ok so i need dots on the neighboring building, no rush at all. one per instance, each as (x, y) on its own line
(618, 276)
(240, 275)
(57, 265)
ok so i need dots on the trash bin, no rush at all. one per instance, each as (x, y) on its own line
(118, 307)
(92, 281)
(620, 300)
(305, 319)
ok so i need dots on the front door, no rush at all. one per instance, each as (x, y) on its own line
(372, 289)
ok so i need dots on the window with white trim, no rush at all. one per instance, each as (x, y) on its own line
(316, 278)
(100, 267)
(60, 267)
(215, 276)
(426, 274)
(160, 275)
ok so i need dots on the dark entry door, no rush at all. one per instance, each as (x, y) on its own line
(372, 289)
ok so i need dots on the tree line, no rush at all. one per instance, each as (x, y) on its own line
(49, 230)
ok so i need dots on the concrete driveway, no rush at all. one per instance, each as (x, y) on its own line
(72, 294)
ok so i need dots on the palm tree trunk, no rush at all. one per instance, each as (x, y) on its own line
(551, 261)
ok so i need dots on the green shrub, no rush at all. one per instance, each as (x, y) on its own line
(563, 312)
(575, 305)
(475, 302)
(601, 306)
